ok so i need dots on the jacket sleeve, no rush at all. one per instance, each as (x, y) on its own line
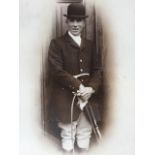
(55, 59)
(96, 70)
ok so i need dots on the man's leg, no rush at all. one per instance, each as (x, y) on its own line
(67, 136)
(84, 131)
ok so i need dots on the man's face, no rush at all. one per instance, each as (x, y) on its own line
(75, 26)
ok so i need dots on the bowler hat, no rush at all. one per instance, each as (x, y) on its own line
(76, 11)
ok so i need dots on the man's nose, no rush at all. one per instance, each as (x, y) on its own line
(75, 23)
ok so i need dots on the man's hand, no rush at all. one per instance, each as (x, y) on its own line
(85, 92)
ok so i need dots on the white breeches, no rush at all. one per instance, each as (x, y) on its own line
(81, 132)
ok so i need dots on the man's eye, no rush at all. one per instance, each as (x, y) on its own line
(72, 19)
(78, 20)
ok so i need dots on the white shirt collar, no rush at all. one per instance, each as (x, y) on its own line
(77, 39)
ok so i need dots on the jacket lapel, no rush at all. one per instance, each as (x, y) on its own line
(83, 43)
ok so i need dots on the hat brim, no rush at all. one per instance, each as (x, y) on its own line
(75, 16)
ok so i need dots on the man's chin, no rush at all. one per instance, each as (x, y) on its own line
(75, 33)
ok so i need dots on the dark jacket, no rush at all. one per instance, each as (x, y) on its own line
(67, 59)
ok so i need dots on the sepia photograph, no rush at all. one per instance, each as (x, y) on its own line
(76, 77)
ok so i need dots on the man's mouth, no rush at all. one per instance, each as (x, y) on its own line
(75, 29)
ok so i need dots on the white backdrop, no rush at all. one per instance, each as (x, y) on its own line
(36, 20)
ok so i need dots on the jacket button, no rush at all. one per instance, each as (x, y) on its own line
(81, 70)
(80, 60)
